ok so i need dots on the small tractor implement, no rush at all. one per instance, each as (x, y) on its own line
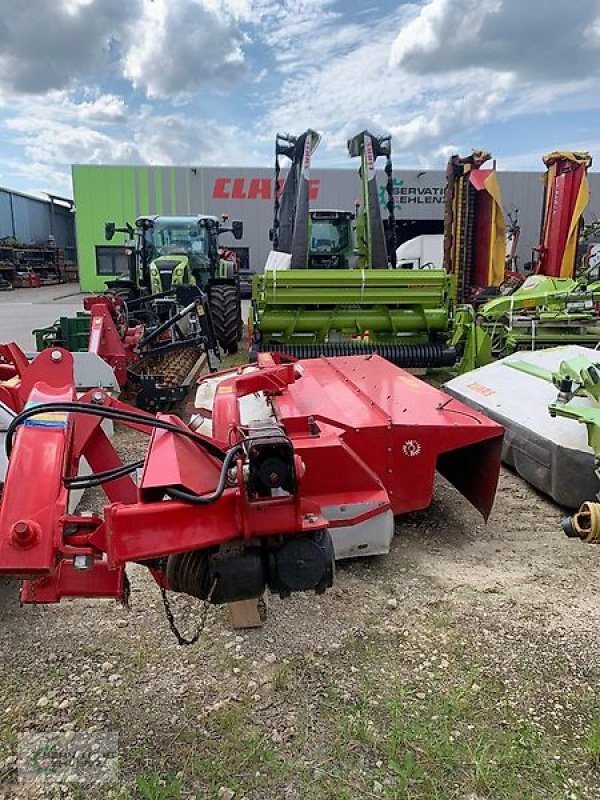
(283, 468)
(156, 363)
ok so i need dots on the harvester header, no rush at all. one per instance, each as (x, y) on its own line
(566, 195)
(475, 235)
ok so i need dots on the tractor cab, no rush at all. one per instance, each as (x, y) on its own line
(331, 244)
(176, 250)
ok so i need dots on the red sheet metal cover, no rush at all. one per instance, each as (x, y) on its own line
(402, 427)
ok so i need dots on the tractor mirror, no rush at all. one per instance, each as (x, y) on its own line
(237, 228)
(109, 230)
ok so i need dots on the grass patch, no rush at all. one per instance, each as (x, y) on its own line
(236, 753)
(236, 359)
(443, 738)
(592, 743)
(282, 677)
(153, 787)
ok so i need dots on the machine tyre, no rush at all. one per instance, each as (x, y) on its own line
(225, 309)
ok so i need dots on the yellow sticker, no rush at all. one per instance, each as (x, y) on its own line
(478, 388)
(225, 389)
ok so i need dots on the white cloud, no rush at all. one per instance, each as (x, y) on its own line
(48, 44)
(534, 39)
(161, 46)
(178, 139)
(63, 143)
(103, 108)
(57, 131)
(185, 46)
(431, 72)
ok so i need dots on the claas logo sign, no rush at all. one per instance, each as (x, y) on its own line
(255, 188)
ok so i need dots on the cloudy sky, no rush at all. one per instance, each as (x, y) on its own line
(211, 81)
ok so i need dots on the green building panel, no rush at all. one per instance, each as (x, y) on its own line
(119, 195)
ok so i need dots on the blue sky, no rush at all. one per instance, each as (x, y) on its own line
(211, 81)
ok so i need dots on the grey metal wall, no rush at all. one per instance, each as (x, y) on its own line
(418, 195)
(32, 220)
(247, 194)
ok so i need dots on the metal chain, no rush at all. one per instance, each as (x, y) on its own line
(125, 601)
(182, 640)
(261, 605)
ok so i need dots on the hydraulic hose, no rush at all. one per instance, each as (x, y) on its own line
(117, 415)
(585, 524)
(98, 478)
(205, 499)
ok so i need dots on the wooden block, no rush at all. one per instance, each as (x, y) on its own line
(248, 613)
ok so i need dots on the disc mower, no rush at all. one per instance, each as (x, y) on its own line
(474, 228)
(553, 306)
(347, 299)
(283, 468)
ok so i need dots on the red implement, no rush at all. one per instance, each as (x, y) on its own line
(111, 337)
(286, 464)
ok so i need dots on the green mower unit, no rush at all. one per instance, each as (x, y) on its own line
(543, 312)
(330, 287)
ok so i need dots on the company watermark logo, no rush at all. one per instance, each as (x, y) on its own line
(79, 758)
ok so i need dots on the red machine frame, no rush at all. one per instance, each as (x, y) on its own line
(115, 347)
(362, 431)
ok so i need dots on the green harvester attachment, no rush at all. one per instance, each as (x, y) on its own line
(331, 287)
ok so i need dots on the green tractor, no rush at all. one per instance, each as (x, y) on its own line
(331, 240)
(167, 252)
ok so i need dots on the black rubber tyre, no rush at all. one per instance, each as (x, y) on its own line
(224, 306)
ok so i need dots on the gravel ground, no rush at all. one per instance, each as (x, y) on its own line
(464, 635)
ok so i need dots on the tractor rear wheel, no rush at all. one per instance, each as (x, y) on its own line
(224, 306)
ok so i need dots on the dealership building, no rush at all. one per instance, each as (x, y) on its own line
(120, 194)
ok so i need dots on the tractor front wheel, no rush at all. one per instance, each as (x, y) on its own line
(224, 307)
